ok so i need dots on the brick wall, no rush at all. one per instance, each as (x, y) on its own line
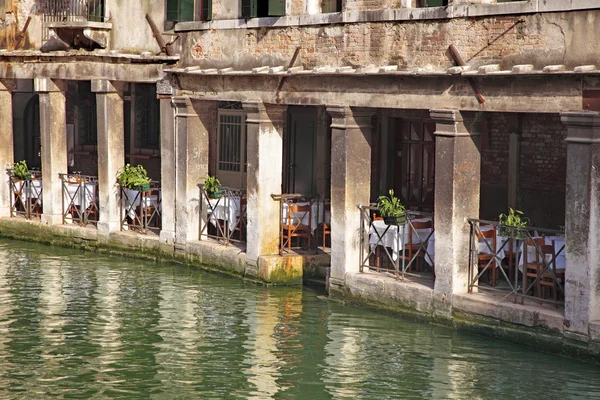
(408, 44)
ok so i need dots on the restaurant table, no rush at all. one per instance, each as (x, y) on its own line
(34, 192)
(226, 209)
(318, 214)
(561, 259)
(134, 200)
(80, 195)
(396, 237)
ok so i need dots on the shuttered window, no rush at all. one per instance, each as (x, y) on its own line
(263, 8)
(183, 10)
(329, 6)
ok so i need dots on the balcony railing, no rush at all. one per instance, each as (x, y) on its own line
(26, 195)
(302, 220)
(141, 210)
(73, 10)
(223, 218)
(396, 249)
(80, 199)
(525, 263)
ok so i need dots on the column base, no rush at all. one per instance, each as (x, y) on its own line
(52, 219)
(106, 228)
(167, 242)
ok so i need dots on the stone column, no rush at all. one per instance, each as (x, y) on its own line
(111, 152)
(6, 138)
(168, 170)
(351, 132)
(457, 191)
(54, 145)
(582, 221)
(265, 158)
(192, 126)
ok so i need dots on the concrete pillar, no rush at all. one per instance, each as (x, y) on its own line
(351, 133)
(6, 138)
(168, 170)
(54, 145)
(457, 190)
(582, 221)
(193, 119)
(111, 152)
(265, 157)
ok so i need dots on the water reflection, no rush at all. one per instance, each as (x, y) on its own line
(73, 327)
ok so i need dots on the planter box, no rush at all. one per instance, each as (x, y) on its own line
(395, 220)
(143, 188)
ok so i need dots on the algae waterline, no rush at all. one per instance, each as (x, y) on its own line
(76, 324)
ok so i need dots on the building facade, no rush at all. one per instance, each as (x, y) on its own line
(464, 108)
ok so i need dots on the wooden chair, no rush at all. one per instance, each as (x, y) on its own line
(534, 269)
(240, 228)
(325, 227)
(484, 258)
(412, 247)
(293, 226)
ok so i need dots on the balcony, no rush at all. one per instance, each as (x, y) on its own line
(75, 24)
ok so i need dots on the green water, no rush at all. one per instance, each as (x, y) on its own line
(76, 325)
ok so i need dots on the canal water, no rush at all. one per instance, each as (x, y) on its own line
(78, 325)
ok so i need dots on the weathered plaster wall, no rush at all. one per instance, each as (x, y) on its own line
(130, 31)
(542, 39)
(12, 21)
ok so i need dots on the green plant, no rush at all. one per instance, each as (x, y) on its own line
(211, 185)
(131, 177)
(390, 206)
(514, 224)
(20, 170)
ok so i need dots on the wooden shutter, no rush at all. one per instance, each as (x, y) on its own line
(276, 7)
(249, 8)
(172, 10)
(207, 10)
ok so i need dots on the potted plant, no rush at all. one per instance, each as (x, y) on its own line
(212, 186)
(391, 209)
(513, 225)
(20, 170)
(131, 177)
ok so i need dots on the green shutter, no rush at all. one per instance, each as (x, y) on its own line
(276, 7)
(207, 10)
(186, 10)
(172, 10)
(437, 3)
(249, 8)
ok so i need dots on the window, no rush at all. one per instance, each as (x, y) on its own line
(329, 6)
(185, 10)
(146, 117)
(262, 8)
(231, 148)
(434, 3)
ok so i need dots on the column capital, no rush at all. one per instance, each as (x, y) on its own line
(454, 123)
(8, 85)
(344, 117)
(166, 86)
(582, 127)
(106, 86)
(259, 112)
(47, 85)
(181, 103)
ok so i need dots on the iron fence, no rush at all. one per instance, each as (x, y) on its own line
(80, 199)
(523, 262)
(141, 210)
(26, 195)
(395, 248)
(223, 217)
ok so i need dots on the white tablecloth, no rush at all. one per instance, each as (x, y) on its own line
(392, 239)
(34, 191)
(316, 209)
(226, 209)
(561, 260)
(134, 199)
(78, 192)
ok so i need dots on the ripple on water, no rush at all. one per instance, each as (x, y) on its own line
(78, 325)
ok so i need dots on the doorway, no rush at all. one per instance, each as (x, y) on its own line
(300, 151)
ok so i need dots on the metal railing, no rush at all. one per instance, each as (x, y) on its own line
(26, 195)
(393, 248)
(72, 10)
(520, 261)
(80, 199)
(299, 224)
(223, 218)
(141, 210)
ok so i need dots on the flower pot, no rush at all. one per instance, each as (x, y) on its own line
(217, 194)
(143, 188)
(396, 220)
(25, 177)
(512, 232)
